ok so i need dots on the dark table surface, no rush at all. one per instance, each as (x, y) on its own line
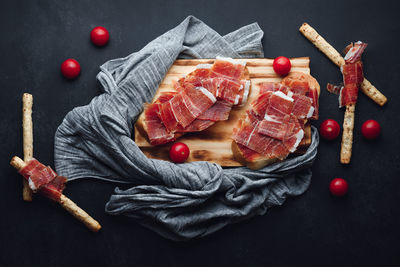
(312, 229)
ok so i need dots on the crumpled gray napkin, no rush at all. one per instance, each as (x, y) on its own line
(179, 201)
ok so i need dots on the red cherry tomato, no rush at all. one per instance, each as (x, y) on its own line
(370, 129)
(329, 129)
(282, 65)
(179, 152)
(338, 187)
(99, 36)
(70, 68)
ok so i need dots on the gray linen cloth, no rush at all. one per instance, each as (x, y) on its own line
(179, 201)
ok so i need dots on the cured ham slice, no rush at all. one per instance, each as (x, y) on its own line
(247, 135)
(275, 127)
(196, 126)
(314, 95)
(352, 78)
(334, 89)
(297, 86)
(156, 129)
(279, 104)
(180, 111)
(217, 112)
(353, 75)
(259, 106)
(198, 100)
(273, 87)
(354, 51)
(228, 68)
(165, 97)
(302, 107)
(37, 174)
(43, 179)
(293, 136)
(54, 189)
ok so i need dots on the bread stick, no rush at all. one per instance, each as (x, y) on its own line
(373, 93)
(79, 213)
(27, 135)
(65, 202)
(347, 137)
(366, 87)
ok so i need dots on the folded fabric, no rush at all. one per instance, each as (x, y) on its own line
(179, 201)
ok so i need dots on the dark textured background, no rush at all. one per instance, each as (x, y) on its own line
(313, 229)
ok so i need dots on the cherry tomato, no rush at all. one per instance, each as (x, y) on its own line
(329, 129)
(179, 152)
(370, 129)
(70, 68)
(338, 187)
(282, 65)
(99, 36)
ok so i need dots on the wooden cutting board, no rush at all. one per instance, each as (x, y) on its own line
(214, 144)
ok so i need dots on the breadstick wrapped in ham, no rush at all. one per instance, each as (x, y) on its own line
(348, 94)
(45, 181)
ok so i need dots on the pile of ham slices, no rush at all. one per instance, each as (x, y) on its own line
(274, 125)
(202, 98)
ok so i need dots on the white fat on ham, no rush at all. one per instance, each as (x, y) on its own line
(251, 134)
(236, 100)
(282, 95)
(310, 112)
(269, 118)
(290, 94)
(207, 93)
(299, 136)
(204, 66)
(246, 92)
(32, 184)
(231, 60)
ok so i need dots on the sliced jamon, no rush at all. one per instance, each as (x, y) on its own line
(279, 104)
(348, 95)
(272, 87)
(37, 174)
(275, 127)
(179, 110)
(198, 100)
(314, 96)
(165, 97)
(354, 51)
(54, 189)
(196, 77)
(43, 179)
(294, 136)
(302, 107)
(244, 94)
(166, 114)
(248, 136)
(352, 78)
(196, 126)
(259, 105)
(217, 112)
(228, 68)
(156, 130)
(296, 86)
(334, 89)
(229, 90)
